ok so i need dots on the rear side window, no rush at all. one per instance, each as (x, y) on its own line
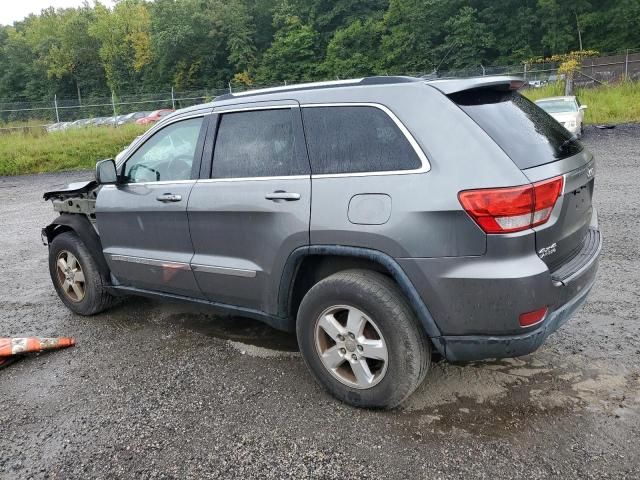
(529, 135)
(258, 143)
(356, 139)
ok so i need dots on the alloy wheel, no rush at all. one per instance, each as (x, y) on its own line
(70, 276)
(351, 347)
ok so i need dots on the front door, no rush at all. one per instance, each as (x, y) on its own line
(254, 209)
(142, 220)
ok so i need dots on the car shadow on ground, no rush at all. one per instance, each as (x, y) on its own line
(493, 397)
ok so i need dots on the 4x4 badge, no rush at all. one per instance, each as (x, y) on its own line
(543, 252)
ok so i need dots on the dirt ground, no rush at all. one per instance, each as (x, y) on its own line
(157, 390)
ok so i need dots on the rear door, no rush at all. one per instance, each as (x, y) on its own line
(143, 221)
(542, 149)
(253, 209)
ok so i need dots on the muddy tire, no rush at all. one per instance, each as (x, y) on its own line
(361, 340)
(76, 277)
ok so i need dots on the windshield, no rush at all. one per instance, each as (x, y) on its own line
(526, 133)
(557, 106)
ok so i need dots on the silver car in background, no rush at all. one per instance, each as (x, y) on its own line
(566, 110)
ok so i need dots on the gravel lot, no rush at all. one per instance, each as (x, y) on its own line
(158, 390)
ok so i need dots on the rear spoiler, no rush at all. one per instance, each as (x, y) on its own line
(455, 85)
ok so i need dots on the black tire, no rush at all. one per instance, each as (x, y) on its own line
(409, 349)
(96, 298)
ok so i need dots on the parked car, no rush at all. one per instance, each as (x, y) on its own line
(381, 219)
(154, 116)
(566, 110)
(132, 117)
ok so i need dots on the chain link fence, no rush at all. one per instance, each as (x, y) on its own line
(56, 111)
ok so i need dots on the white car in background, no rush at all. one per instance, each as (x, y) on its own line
(566, 110)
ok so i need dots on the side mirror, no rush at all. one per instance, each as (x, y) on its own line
(583, 107)
(106, 172)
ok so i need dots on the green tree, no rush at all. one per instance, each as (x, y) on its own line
(354, 50)
(125, 42)
(293, 55)
(467, 40)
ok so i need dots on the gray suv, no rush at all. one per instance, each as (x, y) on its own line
(382, 219)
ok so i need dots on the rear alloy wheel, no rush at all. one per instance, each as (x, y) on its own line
(351, 346)
(361, 340)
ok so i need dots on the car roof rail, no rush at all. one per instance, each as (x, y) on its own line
(379, 80)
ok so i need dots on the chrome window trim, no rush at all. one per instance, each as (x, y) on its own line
(161, 182)
(250, 179)
(236, 272)
(426, 166)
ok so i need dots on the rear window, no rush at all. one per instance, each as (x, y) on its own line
(529, 135)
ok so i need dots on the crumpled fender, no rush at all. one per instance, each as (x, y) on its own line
(71, 189)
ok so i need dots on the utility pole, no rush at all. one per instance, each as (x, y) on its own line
(113, 104)
(578, 26)
(55, 104)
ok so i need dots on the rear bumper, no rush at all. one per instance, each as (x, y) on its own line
(478, 347)
(477, 301)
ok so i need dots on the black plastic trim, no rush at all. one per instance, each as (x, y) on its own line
(591, 245)
(295, 259)
(81, 225)
(272, 320)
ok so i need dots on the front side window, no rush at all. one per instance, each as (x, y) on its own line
(354, 139)
(258, 143)
(168, 155)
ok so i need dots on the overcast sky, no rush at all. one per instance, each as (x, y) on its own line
(12, 10)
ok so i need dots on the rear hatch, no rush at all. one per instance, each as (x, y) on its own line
(542, 149)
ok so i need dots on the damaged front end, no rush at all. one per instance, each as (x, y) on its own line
(77, 198)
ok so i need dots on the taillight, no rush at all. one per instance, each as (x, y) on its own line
(512, 209)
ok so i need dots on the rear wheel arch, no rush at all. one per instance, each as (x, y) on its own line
(306, 266)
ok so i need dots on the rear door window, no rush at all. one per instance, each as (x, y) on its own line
(529, 135)
(258, 143)
(356, 139)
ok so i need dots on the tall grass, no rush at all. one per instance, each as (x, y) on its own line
(38, 151)
(619, 103)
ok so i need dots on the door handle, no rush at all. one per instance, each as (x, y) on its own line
(169, 197)
(280, 195)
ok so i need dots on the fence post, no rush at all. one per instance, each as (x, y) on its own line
(113, 104)
(626, 66)
(55, 104)
(525, 70)
(173, 99)
(230, 88)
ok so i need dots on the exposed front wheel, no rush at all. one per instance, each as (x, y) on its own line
(76, 277)
(361, 340)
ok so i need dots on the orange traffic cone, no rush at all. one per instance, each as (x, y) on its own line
(14, 346)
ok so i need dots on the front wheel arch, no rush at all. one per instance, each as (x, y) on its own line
(81, 226)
